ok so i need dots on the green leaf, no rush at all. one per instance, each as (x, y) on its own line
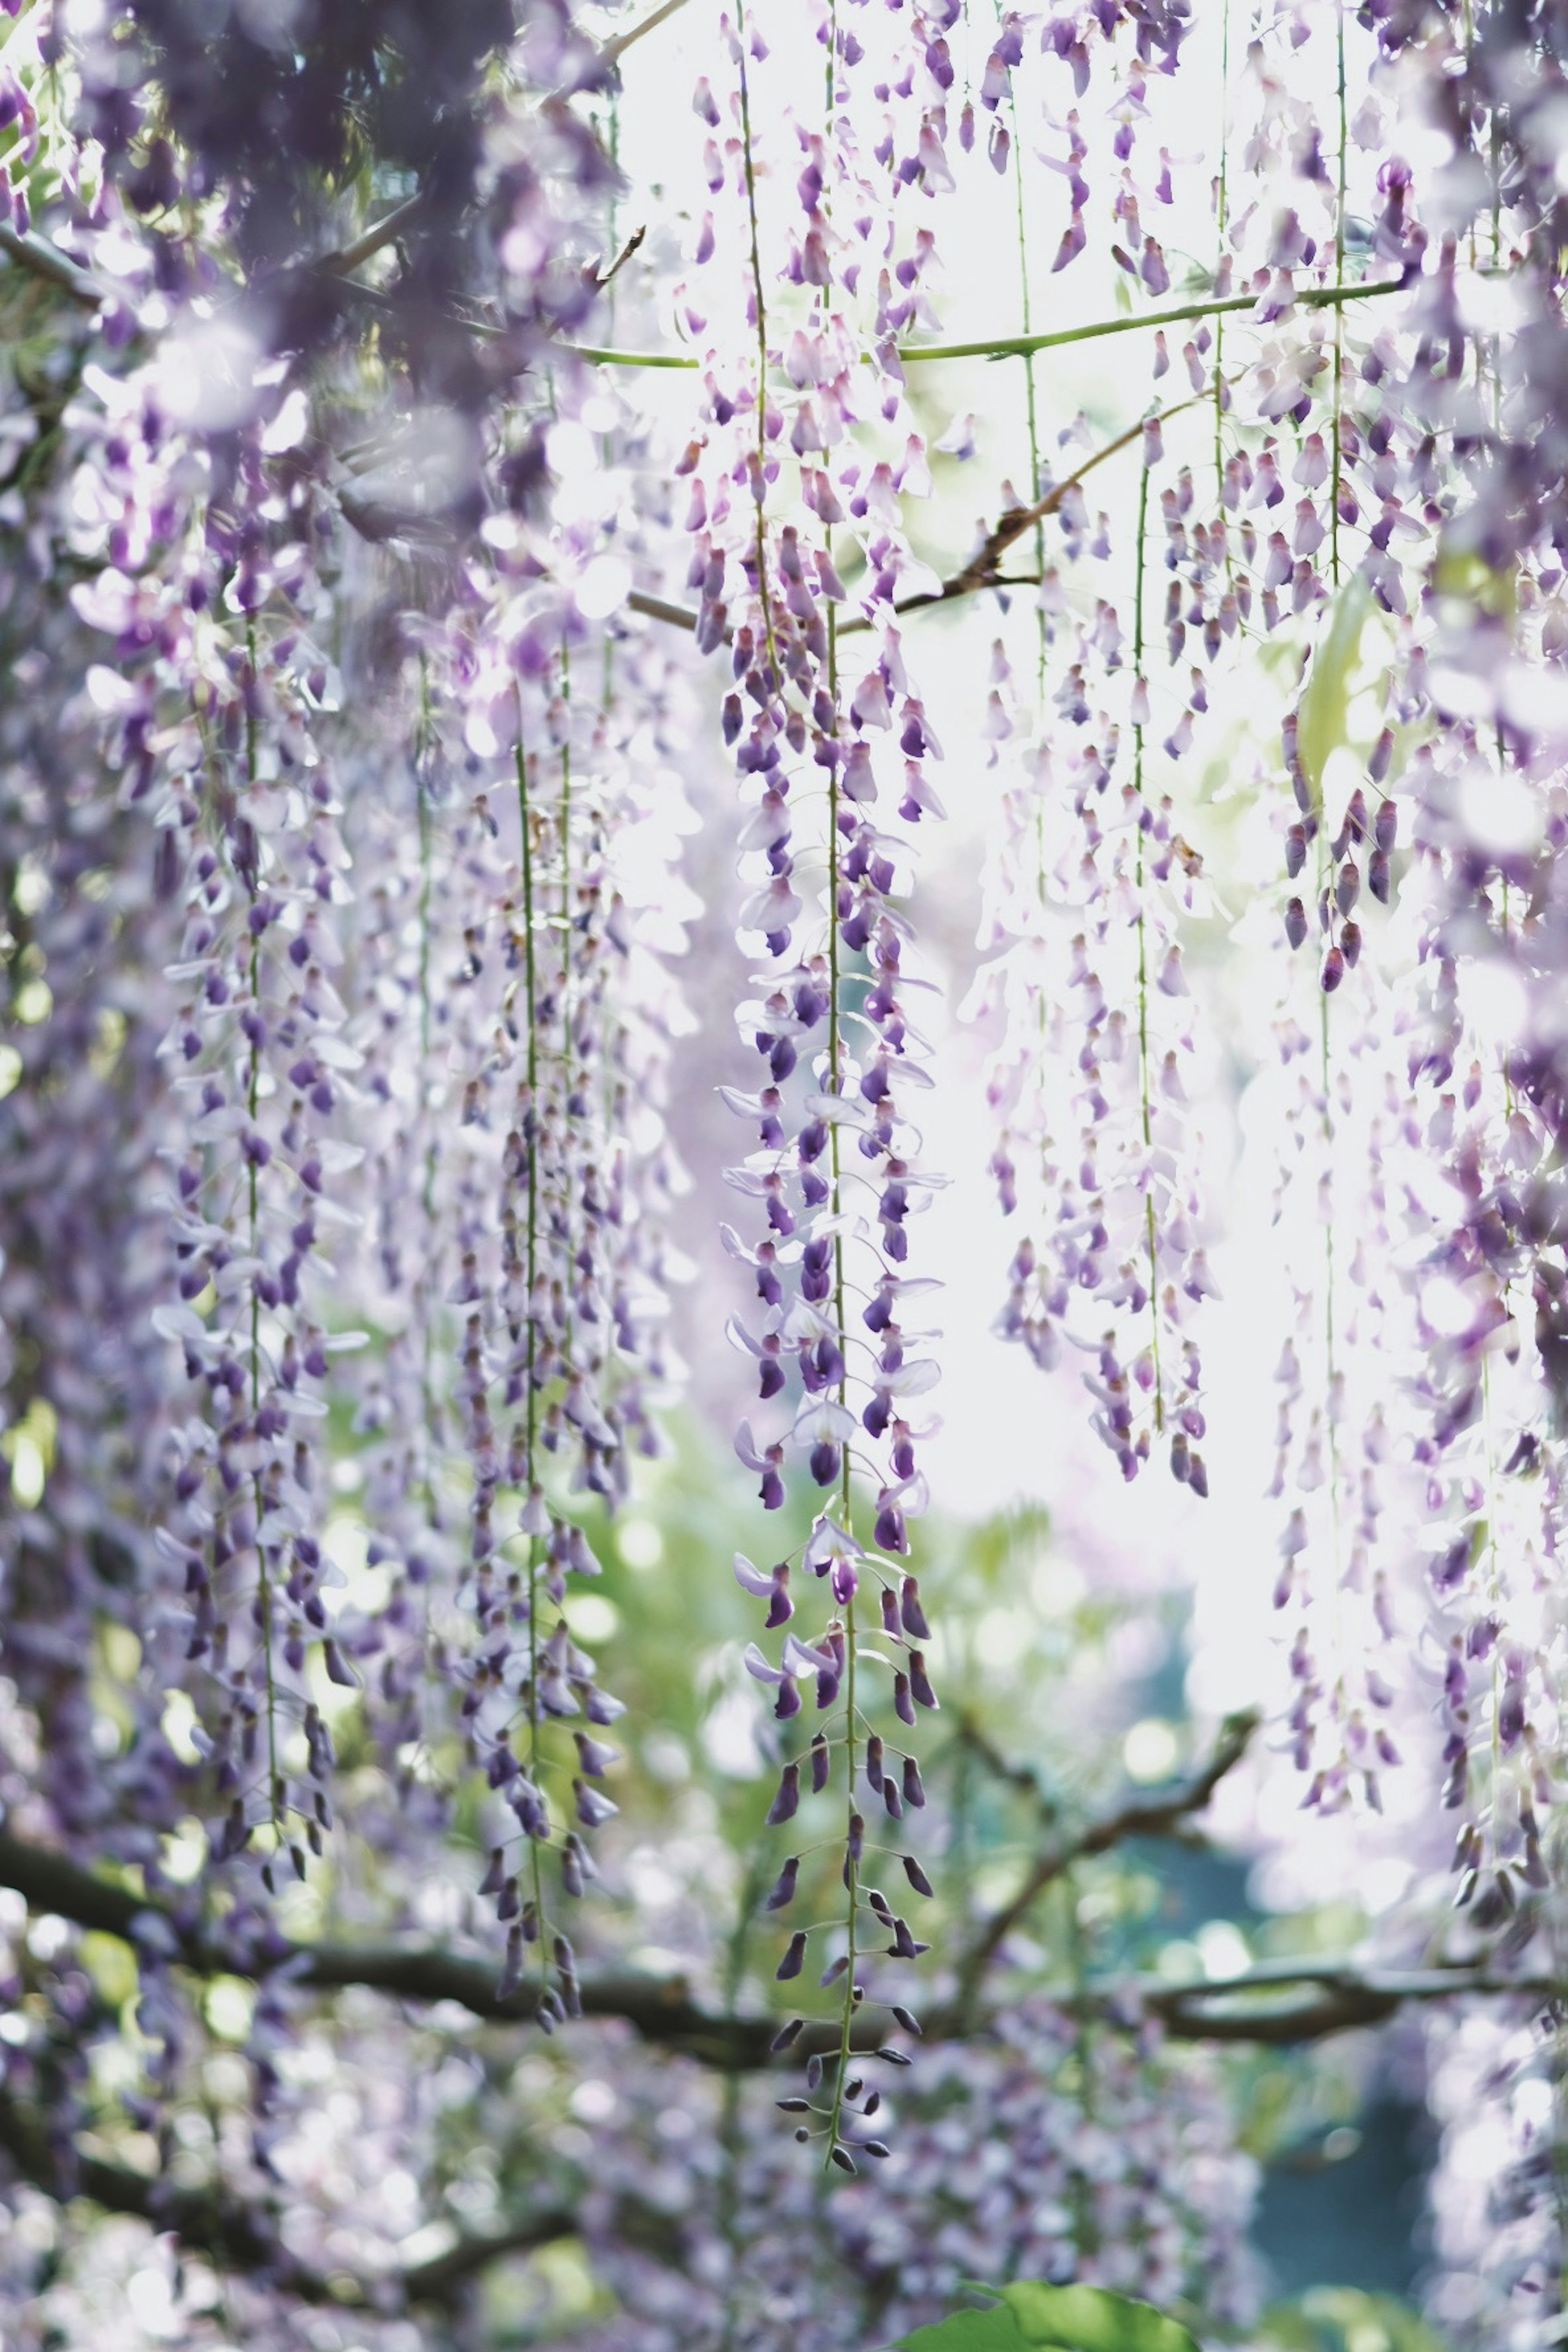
(1065, 2318)
(1344, 2319)
(967, 2331)
(1092, 2320)
(1324, 716)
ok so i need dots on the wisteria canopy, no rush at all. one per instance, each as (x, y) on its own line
(731, 729)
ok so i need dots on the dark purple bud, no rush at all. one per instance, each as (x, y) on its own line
(919, 1682)
(910, 1609)
(793, 1959)
(1295, 922)
(902, 1705)
(786, 1803)
(914, 1788)
(821, 1763)
(889, 1533)
(783, 1886)
(786, 2035)
(917, 1876)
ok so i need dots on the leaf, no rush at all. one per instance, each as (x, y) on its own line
(1064, 2318)
(1336, 2318)
(1092, 2320)
(995, 2330)
(1323, 720)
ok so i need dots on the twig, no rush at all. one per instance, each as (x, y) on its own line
(613, 51)
(239, 2235)
(1134, 1817)
(1005, 347)
(659, 608)
(48, 262)
(980, 571)
(632, 245)
(1311, 298)
(371, 241)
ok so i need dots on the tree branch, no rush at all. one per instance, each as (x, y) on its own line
(1266, 2004)
(660, 2008)
(242, 2236)
(47, 261)
(371, 240)
(1134, 1817)
(1259, 2005)
(614, 51)
(981, 571)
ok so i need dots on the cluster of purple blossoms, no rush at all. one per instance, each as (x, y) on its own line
(797, 474)
(1039, 2151)
(1095, 884)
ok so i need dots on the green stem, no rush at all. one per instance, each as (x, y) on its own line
(729, 2199)
(761, 341)
(1339, 272)
(1145, 1094)
(530, 1151)
(565, 831)
(1031, 407)
(253, 1098)
(1308, 297)
(1222, 214)
(840, 1311)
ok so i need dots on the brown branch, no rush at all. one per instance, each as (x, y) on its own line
(982, 570)
(658, 608)
(212, 2221)
(47, 261)
(1164, 1816)
(634, 244)
(239, 2235)
(661, 2009)
(380, 233)
(1262, 2005)
(1290, 2001)
(613, 51)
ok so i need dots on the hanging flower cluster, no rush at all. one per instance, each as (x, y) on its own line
(1039, 2153)
(341, 776)
(805, 452)
(1095, 882)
